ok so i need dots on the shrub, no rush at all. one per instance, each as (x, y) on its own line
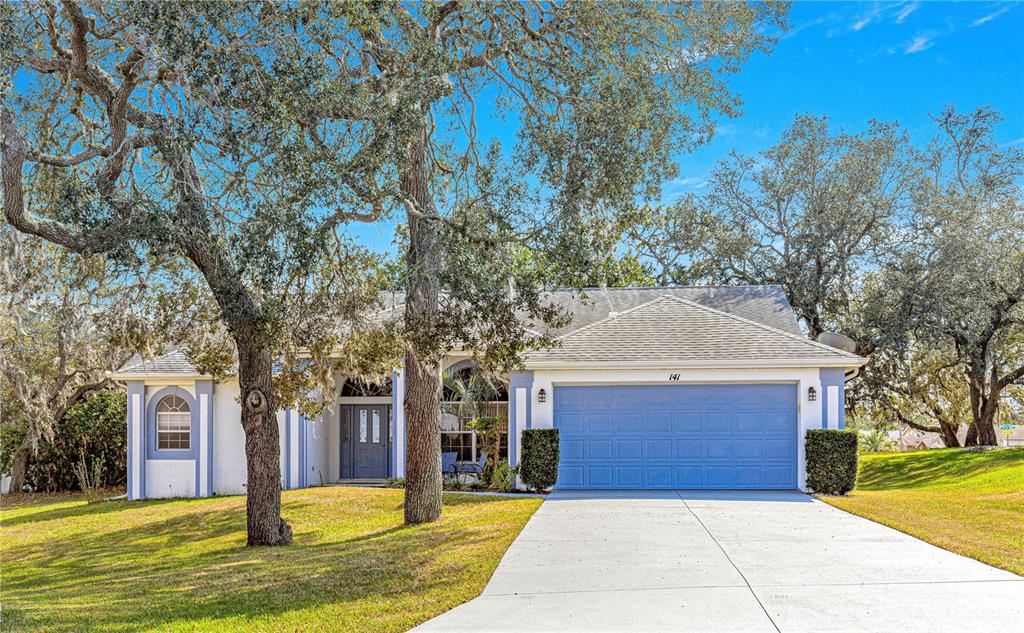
(395, 482)
(501, 478)
(831, 461)
(538, 465)
(488, 432)
(95, 431)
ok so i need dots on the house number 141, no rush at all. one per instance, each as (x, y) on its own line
(673, 377)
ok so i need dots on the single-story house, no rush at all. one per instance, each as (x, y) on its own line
(672, 387)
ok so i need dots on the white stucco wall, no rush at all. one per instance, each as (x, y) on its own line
(808, 413)
(229, 471)
(316, 457)
(170, 478)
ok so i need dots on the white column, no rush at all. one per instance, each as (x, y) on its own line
(833, 407)
(398, 410)
(520, 423)
(139, 452)
(293, 465)
(204, 444)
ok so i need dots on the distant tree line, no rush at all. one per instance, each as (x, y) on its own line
(917, 253)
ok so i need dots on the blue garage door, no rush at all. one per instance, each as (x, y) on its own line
(677, 436)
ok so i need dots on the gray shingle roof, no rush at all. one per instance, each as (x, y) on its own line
(671, 329)
(171, 363)
(610, 326)
(764, 304)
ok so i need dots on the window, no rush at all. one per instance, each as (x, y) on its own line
(456, 438)
(173, 425)
(467, 394)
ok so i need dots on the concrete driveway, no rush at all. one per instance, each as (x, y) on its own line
(729, 561)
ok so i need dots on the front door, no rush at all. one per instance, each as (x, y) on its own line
(364, 441)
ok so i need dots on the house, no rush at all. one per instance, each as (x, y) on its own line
(676, 387)
(910, 439)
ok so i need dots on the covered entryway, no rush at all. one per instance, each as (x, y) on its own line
(677, 436)
(365, 439)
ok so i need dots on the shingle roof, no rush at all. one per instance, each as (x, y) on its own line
(763, 304)
(171, 363)
(611, 325)
(673, 330)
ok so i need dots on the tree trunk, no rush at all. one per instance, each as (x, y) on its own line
(262, 447)
(19, 468)
(422, 359)
(948, 433)
(423, 440)
(984, 405)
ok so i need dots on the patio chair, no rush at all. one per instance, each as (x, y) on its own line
(472, 468)
(449, 463)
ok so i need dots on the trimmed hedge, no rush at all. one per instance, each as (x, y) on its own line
(538, 465)
(831, 461)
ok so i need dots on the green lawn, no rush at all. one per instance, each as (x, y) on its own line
(182, 565)
(968, 502)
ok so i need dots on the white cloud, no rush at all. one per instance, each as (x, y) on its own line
(863, 21)
(1016, 141)
(919, 43)
(991, 16)
(905, 11)
(796, 29)
(696, 182)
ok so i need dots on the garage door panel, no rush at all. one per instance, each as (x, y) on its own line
(657, 423)
(599, 450)
(571, 476)
(750, 475)
(717, 448)
(779, 449)
(749, 422)
(777, 424)
(683, 436)
(689, 448)
(748, 449)
(686, 422)
(629, 449)
(627, 423)
(658, 449)
(716, 423)
(629, 477)
(658, 477)
(570, 449)
(600, 424)
(689, 476)
(779, 476)
(572, 424)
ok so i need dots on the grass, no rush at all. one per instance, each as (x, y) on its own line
(969, 502)
(182, 565)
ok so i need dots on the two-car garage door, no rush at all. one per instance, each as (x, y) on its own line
(677, 436)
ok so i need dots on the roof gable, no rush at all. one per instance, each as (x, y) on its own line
(672, 330)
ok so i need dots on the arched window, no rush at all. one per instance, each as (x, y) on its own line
(173, 425)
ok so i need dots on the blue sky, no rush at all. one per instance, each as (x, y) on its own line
(856, 61)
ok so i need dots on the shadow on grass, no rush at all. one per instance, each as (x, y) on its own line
(933, 467)
(186, 563)
(81, 508)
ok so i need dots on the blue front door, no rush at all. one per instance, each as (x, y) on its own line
(677, 436)
(364, 441)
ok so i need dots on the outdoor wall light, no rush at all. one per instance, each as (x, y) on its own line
(542, 396)
(812, 395)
